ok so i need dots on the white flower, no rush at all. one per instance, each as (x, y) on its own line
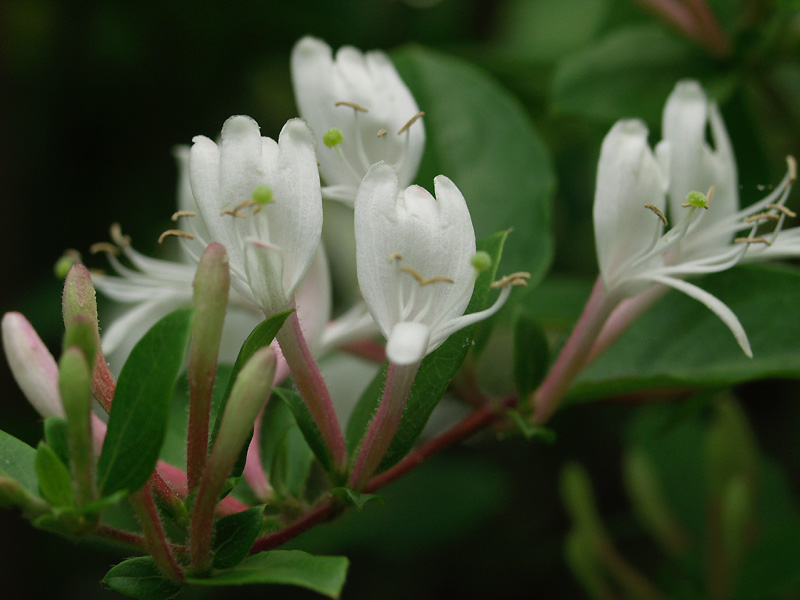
(261, 200)
(633, 251)
(414, 254)
(362, 96)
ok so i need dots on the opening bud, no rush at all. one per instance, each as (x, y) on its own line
(333, 137)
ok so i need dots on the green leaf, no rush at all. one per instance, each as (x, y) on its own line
(680, 343)
(480, 137)
(57, 437)
(628, 73)
(285, 455)
(235, 535)
(355, 498)
(140, 578)
(323, 574)
(138, 420)
(531, 354)
(17, 462)
(433, 377)
(261, 336)
(55, 480)
(307, 425)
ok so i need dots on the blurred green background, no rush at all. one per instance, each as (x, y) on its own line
(96, 94)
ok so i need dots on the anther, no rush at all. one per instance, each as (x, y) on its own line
(352, 105)
(421, 280)
(783, 209)
(760, 216)
(116, 235)
(658, 213)
(98, 272)
(752, 240)
(183, 213)
(393, 256)
(233, 213)
(792, 164)
(104, 247)
(382, 132)
(176, 233)
(520, 278)
(411, 121)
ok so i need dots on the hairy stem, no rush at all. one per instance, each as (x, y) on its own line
(155, 538)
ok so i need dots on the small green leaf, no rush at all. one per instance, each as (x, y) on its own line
(235, 535)
(532, 432)
(307, 425)
(140, 578)
(17, 462)
(355, 498)
(433, 377)
(138, 420)
(55, 480)
(57, 437)
(323, 574)
(531, 354)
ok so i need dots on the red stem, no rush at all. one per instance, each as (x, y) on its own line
(155, 538)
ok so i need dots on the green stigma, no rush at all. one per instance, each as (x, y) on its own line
(64, 264)
(481, 261)
(262, 195)
(333, 137)
(697, 199)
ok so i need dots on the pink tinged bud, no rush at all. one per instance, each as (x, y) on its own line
(79, 303)
(32, 365)
(211, 286)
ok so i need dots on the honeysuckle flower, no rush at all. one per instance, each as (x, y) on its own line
(361, 112)
(416, 262)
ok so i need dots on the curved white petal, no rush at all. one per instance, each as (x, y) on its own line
(714, 304)
(264, 267)
(407, 343)
(628, 178)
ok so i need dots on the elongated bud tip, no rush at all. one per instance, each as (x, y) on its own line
(481, 261)
(79, 295)
(333, 137)
(32, 365)
(262, 195)
(65, 262)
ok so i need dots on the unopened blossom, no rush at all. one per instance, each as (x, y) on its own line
(416, 262)
(361, 112)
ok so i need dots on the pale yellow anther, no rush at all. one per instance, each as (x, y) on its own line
(382, 132)
(411, 121)
(791, 163)
(183, 213)
(97, 272)
(233, 213)
(762, 216)
(520, 278)
(709, 196)
(352, 105)
(658, 213)
(783, 209)
(116, 235)
(752, 240)
(175, 233)
(104, 247)
(422, 281)
(395, 256)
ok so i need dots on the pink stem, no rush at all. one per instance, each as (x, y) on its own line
(312, 388)
(155, 538)
(573, 355)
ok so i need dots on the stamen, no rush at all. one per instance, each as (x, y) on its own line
(421, 280)
(752, 240)
(233, 213)
(760, 216)
(182, 213)
(104, 247)
(352, 105)
(100, 272)
(411, 121)
(792, 164)
(382, 132)
(519, 278)
(658, 213)
(176, 233)
(783, 209)
(116, 235)
(393, 256)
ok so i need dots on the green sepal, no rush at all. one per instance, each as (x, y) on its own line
(530, 431)
(353, 498)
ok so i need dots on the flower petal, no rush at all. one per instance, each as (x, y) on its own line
(264, 267)
(407, 343)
